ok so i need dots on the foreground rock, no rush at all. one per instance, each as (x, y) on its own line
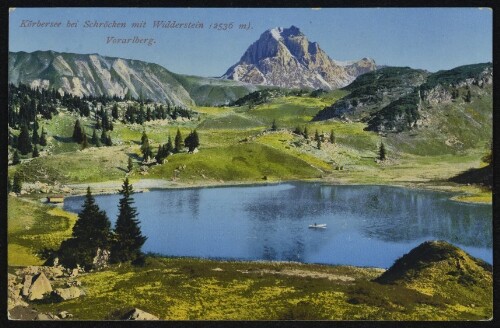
(51, 272)
(138, 314)
(70, 293)
(40, 286)
(46, 316)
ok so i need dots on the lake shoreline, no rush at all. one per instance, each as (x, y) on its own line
(146, 185)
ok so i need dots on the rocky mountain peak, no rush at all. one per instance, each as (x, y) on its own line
(285, 57)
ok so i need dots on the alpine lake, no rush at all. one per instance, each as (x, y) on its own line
(368, 226)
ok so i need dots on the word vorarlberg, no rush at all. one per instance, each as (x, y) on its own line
(134, 40)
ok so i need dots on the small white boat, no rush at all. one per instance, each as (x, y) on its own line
(318, 226)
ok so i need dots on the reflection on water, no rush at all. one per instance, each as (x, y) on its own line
(367, 225)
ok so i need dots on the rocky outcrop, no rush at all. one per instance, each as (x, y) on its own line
(101, 260)
(284, 57)
(138, 314)
(40, 287)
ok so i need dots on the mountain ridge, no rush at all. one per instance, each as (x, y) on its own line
(94, 74)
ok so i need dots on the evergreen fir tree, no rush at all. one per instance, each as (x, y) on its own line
(332, 137)
(306, 133)
(130, 165)
(92, 230)
(85, 142)
(114, 111)
(43, 138)
(24, 141)
(274, 127)
(381, 152)
(316, 135)
(16, 158)
(192, 141)
(104, 137)
(318, 143)
(160, 156)
(109, 142)
(297, 131)
(35, 138)
(169, 147)
(128, 237)
(178, 141)
(144, 138)
(17, 185)
(94, 139)
(35, 153)
(77, 132)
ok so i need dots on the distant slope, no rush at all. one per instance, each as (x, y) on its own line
(422, 113)
(374, 90)
(214, 91)
(93, 74)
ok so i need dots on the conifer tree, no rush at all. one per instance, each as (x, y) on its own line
(318, 143)
(130, 165)
(85, 142)
(92, 230)
(77, 132)
(316, 135)
(128, 237)
(169, 147)
(43, 138)
(192, 141)
(16, 159)
(297, 130)
(17, 185)
(35, 138)
(381, 152)
(35, 153)
(332, 137)
(178, 141)
(274, 127)
(94, 139)
(144, 138)
(104, 137)
(109, 142)
(306, 133)
(24, 140)
(114, 111)
(160, 156)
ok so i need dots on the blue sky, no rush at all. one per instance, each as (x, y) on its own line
(427, 38)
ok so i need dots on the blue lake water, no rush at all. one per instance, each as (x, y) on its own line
(366, 225)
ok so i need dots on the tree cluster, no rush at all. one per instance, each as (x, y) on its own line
(80, 136)
(92, 230)
(192, 141)
(164, 151)
(142, 113)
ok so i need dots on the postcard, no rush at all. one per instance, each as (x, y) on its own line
(250, 164)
